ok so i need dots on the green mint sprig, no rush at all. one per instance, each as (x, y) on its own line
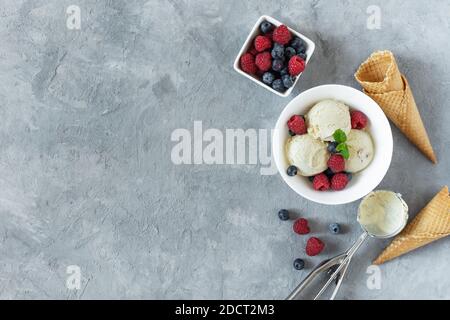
(340, 137)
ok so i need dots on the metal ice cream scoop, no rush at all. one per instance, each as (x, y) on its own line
(382, 215)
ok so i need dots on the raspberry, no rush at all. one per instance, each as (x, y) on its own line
(301, 226)
(321, 182)
(314, 246)
(264, 61)
(262, 43)
(359, 120)
(297, 125)
(296, 65)
(339, 181)
(336, 163)
(282, 35)
(253, 51)
(248, 63)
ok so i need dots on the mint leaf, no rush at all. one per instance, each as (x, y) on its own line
(342, 148)
(339, 136)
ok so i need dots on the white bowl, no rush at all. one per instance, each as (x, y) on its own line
(248, 43)
(379, 128)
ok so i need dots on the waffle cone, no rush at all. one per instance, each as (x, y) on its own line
(380, 73)
(383, 82)
(431, 224)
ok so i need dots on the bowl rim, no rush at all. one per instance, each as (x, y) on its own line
(310, 51)
(278, 151)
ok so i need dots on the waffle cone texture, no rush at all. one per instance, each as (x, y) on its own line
(431, 224)
(382, 81)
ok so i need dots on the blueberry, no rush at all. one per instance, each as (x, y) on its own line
(277, 65)
(284, 71)
(302, 55)
(297, 43)
(329, 173)
(349, 176)
(283, 214)
(266, 27)
(292, 171)
(268, 78)
(291, 133)
(335, 228)
(332, 147)
(301, 50)
(278, 85)
(288, 80)
(333, 270)
(289, 52)
(299, 264)
(278, 51)
(311, 178)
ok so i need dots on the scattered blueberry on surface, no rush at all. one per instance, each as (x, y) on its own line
(278, 51)
(266, 27)
(283, 214)
(277, 65)
(333, 270)
(268, 78)
(335, 228)
(299, 264)
(332, 147)
(292, 133)
(292, 171)
(288, 80)
(289, 52)
(278, 85)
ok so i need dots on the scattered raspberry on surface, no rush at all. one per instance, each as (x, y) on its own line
(336, 163)
(314, 246)
(297, 125)
(264, 61)
(339, 181)
(358, 119)
(321, 182)
(301, 226)
(262, 43)
(248, 63)
(282, 35)
(296, 65)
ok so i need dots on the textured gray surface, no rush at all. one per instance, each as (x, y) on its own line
(85, 171)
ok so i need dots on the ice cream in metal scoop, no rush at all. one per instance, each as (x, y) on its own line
(381, 214)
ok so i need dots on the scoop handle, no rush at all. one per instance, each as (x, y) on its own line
(342, 261)
(343, 264)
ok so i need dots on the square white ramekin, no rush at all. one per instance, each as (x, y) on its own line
(255, 31)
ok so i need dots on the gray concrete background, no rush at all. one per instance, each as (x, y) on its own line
(85, 172)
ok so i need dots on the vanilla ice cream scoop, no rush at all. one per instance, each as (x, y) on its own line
(309, 155)
(326, 117)
(361, 151)
(383, 213)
